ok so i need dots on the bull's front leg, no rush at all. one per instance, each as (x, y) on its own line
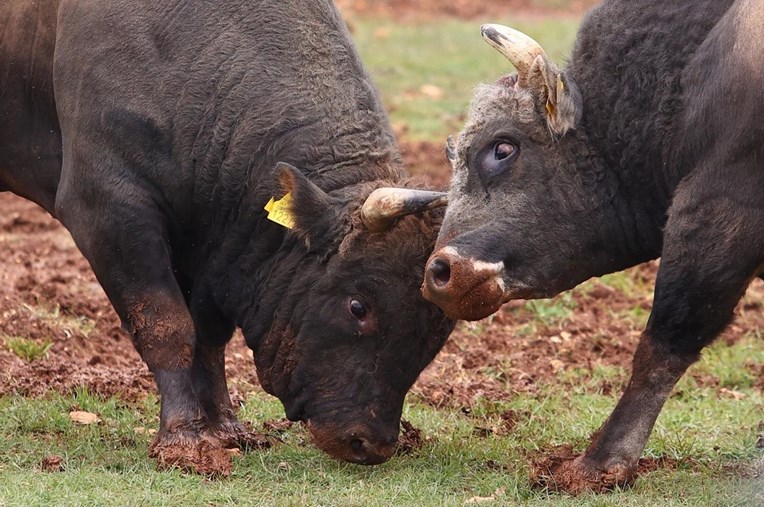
(186, 438)
(712, 250)
(612, 457)
(209, 377)
(123, 236)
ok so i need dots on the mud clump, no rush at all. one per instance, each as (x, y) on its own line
(277, 426)
(562, 470)
(195, 456)
(52, 463)
(410, 438)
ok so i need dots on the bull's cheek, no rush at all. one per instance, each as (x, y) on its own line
(276, 359)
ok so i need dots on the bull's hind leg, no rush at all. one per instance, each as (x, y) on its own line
(122, 233)
(712, 250)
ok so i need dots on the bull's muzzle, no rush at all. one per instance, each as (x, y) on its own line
(356, 443)
(463, 287)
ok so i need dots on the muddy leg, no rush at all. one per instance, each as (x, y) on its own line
(209, 378)
(124, 237)
(712, 250)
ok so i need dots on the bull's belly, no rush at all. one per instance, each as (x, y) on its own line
(30, 138)
(33, 175)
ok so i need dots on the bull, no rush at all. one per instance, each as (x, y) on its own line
(648, 144)
(157, 132)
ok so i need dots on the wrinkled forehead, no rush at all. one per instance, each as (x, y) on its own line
(399, 255)
(498, 102)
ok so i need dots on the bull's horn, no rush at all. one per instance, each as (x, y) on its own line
(517, 47)
(385, 205)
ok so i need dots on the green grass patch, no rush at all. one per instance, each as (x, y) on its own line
(51, 313)
(27, 349)
(627, 283)
(553, 312)
(426, 72)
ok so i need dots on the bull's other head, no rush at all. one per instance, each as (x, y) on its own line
(351, 331)
(521, 204)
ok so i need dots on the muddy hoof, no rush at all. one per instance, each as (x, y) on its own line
(240, 435)
(566, 472)
(191, 453)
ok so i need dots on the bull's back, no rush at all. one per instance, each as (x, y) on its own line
(722, 117)
(30, 138)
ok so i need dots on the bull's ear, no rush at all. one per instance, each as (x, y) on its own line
(561, 96)
(315, 214)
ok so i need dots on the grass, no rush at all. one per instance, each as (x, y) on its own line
(52, 313)
(713, 437)
(27, 349)
(712, 433)
(448, 56)
(552, 312)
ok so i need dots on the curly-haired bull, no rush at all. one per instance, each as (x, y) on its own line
(649, 143)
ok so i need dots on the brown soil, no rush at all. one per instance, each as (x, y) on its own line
(52, 463)
(410, 438)
(49, 294)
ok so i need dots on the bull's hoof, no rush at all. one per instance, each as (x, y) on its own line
(191, 452)
(575, 475)
(234, 434)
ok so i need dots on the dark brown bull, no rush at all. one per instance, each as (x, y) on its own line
(649, 143)
(151, 130)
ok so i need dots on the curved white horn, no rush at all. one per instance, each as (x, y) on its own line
(516, 46)
(386, 204)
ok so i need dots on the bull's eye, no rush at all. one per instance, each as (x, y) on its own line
(358, 309)
(503, 150)
(496, 158)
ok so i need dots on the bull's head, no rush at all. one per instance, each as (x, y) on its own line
(526, 202)
(352, 331)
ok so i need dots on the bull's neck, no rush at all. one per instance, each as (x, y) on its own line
(627, 211)
(628, 62)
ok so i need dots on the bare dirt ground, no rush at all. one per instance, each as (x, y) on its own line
(49, 293)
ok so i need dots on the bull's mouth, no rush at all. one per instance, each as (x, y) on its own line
(354, 444)
(478, 302)
(462, 292)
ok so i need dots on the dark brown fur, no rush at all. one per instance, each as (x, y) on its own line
(152, 130)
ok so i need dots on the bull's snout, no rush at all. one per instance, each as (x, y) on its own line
(463, 287)
(356, 445)
(367, 452)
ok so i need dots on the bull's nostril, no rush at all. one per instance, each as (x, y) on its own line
(357, 445)
(441, 272)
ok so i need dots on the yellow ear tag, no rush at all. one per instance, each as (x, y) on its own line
(280, 211)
